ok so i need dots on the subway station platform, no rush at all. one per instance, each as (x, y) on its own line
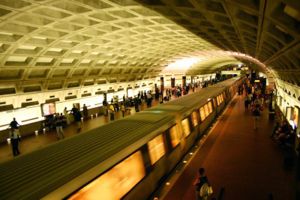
(35, 142)
(240, 162)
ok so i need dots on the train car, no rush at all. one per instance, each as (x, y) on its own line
(125, 159)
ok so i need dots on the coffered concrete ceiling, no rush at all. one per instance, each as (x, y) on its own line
(53, 44)
(268, 30)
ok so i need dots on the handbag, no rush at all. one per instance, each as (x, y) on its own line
(210, 190)
(205, 190)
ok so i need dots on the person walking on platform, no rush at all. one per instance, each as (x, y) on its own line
(15, 138)
(256, 113)
(85, 112)
(66, 114)
(59, 126)
(105, 107)
(77, 118)
(112, 112)
(246, 103)
(202, 186)
(123, 109)
(14, 125)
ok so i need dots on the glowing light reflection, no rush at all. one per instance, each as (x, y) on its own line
(182, 65)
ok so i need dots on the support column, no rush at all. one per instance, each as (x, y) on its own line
(162, 85)
(183, 81)
(172, 82)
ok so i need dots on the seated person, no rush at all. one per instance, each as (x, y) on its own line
(279, 129)
(285, 136)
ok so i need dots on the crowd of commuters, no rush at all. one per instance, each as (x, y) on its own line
(283, 134)
(59, 121)
(255, 98)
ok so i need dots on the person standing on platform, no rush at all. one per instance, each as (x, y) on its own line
(85, 112)
(136, 104)
(15, 138)
(59, 126)
(112, 112)
(14, 124)
(201, 181)
(256, 113)
(105, 107)
(246, 103)
(161, 98)
(77, 118)
(66, 114)
(149, 99)
(123, 109)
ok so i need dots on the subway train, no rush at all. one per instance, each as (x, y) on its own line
(124, 159)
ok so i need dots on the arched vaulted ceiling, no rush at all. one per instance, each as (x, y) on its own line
(53, 44)
(268, 30)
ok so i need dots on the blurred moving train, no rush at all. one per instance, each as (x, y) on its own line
(125, 159)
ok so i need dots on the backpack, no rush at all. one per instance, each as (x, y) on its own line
(205, 190)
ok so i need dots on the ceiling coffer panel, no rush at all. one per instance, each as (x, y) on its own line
(60, 73)
(11, 74)
(38, 73)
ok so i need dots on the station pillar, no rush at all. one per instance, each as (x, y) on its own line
(172, 82)
(162, 86)
(183, 81)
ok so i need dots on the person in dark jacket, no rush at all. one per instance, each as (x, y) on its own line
(77, 118)
(85, 112)
(14, 124)
(199, 182)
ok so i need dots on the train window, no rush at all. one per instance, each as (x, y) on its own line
(296, 116)
(115, 183)
(186, 127)
(218, 100)
(215, 102)
(288, 113)
(210, 109)
(202, 114)
(175, 136)
(156, 148)
(206, 110)
(194, 118)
